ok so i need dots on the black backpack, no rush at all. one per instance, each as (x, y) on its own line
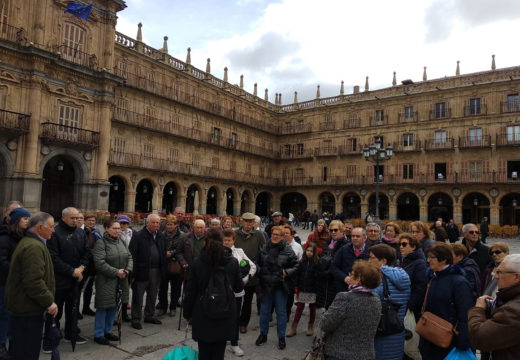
(218, 300)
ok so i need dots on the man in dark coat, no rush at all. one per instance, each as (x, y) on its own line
(70, 255)
(191, 244)
(30, 288)
(148, 248)
(484, 229)
(453, 231)
(476, 250)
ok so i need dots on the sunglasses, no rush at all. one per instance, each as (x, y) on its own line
(403, 244)
(496, 252)
(333, 230)
(473, 232)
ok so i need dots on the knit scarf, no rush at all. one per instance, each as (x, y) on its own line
(358, 288)
(389, 240)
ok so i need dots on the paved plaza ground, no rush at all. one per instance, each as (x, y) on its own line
(154, 341)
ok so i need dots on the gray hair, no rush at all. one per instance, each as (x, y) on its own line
(321, 221)
(363, 230)
(198, 221)
(466, 227)
(149, 217)
(374, 224)
(65, 212)
(13, 202)
(512, 262)
(257, 219)
(38, 219)
(215, 221)
(178, 208)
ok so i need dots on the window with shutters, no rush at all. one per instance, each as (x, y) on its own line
(173, 155)
(118, 145)
(475, 135)
(248, 168)
(513, 104)
(195, 160)
(408, 141)
(69, 118)
(122, 69)
(261, 171)
(352, 145)
(440, 110)
(214, 162)
(440, 137)
(407, 171)
(233, 139)
(380, 115)
(287, 149)
(73, 43)
(299, 173)
(148, 151)
(299, 149)
(379, 172)
(150, 76)
(325, 173)
(351, 170)
(408, 113)
(475, 169)
(216, 135)
(513, 170)
(474, 106)
(149, 115)
(513, 133)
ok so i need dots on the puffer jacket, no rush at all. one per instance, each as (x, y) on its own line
(417, 269)
(272, 260)
(8, 243)
(391, 347)
(472, 274)
(450, 298)
(305, 277)
(110, 255)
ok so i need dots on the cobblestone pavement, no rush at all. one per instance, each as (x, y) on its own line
(154, 341)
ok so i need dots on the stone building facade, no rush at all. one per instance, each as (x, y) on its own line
(96, 119)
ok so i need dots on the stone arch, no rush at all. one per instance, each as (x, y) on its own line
(440, 205)
(408, 206)
(510, 209)
(246, 199)
(475, 206)
(351, 205)
(7, 168)
(193, 192)
(293, 202)
(327, 202)
(263, 203)
(384, 205)
(79, 164)
(117, 193)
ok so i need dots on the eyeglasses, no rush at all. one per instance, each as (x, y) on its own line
(333, 230)
(403, 244)
(500, 272)
(496, 252)
(373, 231)
(473, 232)
(432, 257)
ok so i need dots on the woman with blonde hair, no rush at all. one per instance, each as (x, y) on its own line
(390, 235)
(420, 231)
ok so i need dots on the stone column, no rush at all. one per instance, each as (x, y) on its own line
(364, 208)
(103, 150)
(338, 207)
(494, 214)
(392, 211)
(457, 212)
(423, 211)
(157, 199)
(130, 200)
(30, 143)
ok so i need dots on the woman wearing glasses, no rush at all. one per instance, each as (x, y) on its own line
(498, 252)
(448, 296)
(414, 263)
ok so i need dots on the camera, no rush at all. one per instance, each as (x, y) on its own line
(490, 306)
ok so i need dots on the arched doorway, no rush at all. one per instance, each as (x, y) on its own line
(244, 202)
(169, 199)
(440, 205)
(352, 206)
(193, 192)
(293, 202)
(116, 196)
(144, 196)
(230, 202)
(383, 205)
(510, 209)
(408, 207)
(474, 207)
(327, 203)
(59, 178)
(262, 204)
(211, 201)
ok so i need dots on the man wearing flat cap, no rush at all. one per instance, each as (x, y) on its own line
(249, 240)
(277, 221)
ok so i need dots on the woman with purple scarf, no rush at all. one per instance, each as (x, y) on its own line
(390, 235)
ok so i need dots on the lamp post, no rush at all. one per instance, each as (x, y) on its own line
(377, 154)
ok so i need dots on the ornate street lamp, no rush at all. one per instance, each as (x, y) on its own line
(377, 154)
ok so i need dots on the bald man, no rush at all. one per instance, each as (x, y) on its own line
(191, 244)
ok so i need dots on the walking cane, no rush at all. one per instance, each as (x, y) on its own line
(182, 297)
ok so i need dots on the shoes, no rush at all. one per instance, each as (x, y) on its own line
(80, 316)
(46, 349)
(137, 325)
(158, 307)
(292, 330)
(262, 339)
(101, 340)
(111, 337)
(80, 340)
(310, 329)
(172, 313)
(161, 312)
(125, 316)
(88, 312)
(153, 321)
(243, 329)
(237, 350)
(281, 343)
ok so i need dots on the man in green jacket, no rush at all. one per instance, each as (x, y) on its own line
(30, 288)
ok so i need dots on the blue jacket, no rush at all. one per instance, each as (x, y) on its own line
(472, 274)
(417, 269)
(449, 297)
(342, 264)
(391, 347)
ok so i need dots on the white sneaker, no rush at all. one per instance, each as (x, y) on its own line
(237, 350)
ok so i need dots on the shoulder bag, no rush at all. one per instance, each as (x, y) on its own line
(390, 323)
(434, 328)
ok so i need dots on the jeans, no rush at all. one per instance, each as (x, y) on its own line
(5, 318)
(278, 298)
(104, 321)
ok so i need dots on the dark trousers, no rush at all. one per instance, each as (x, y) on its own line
(245, 314)
(26, 338)
(212, 351)
(87, 291)
(151, 287)
(234, 341)
(175, 283)
(66, 298)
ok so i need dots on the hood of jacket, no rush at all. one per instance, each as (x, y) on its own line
(467, 262)
(397, 276)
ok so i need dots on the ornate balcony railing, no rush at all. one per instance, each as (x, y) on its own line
(295, 154)
(440, 115)
(512, 139)
(295, 129)
(374, 121)
(474, 141)
(344, 150)
(326, 151)
(13, 123)
(11, 33)
(351, 123)
(77, 56)
(52, 133)
(509, 106)
(437, 144)
(327, 125)
(401, 147)
(413, 117)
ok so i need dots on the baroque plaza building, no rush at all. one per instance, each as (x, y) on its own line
(99, 120)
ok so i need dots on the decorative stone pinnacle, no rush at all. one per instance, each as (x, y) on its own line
(424, 76)
(457, 71)
(139, 32)
(208, 67)
(241, 81)
(493, 66)
(394, 80)
(366, 84)
(225, 74)
(188, 57)
(255, 90)
(296, 97)
(342, 88)
(165, 45)
(318, 92)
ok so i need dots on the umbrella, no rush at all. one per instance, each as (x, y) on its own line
(184, 352)
(182, 297)
(53, 337)
(119, 305)
(74, 316)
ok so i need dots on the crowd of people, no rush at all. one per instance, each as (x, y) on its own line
(215, 271)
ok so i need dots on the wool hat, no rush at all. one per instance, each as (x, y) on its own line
(17, 214)
(277, 213)
(123, 219)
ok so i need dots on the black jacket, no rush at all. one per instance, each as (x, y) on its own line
(342, 264)
(305, 277)
(8, 243)
(69, 249)
(271, 261)
(480, 253)
(206, 329)
(417, 269)
(472, 274)
(140, 249)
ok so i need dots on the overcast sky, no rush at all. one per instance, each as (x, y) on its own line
(295, 45)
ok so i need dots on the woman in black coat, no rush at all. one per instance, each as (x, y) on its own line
(449, 297)
(211, 333)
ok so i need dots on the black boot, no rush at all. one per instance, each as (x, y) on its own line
(124, 313)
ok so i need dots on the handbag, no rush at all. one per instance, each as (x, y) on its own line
(389, 323)
(174, 268)
(317, 351)
(434, 328)
(411, 344)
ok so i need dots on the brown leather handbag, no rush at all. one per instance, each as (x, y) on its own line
(434, 328)
(174, 268)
